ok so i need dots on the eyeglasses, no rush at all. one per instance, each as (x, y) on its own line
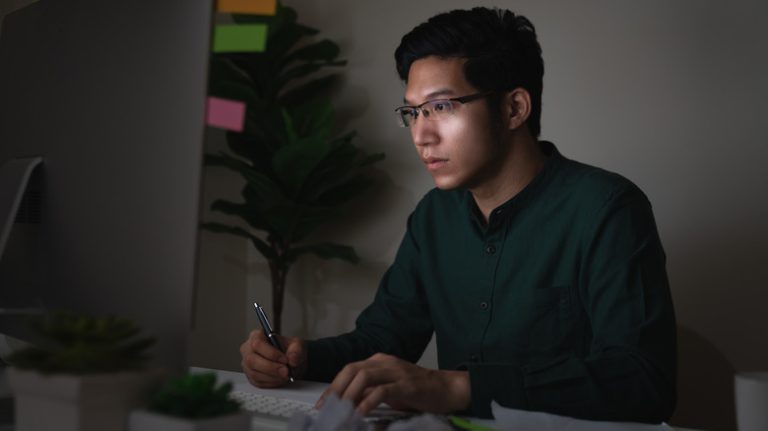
(434, 109)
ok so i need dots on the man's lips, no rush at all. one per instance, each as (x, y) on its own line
(434, 163)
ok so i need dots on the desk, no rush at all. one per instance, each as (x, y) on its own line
(310, 391)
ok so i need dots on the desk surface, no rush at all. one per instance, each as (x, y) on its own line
(310, 391)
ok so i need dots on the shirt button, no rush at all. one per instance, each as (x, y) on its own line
(473, 358)
(490, 249)
(484, 305)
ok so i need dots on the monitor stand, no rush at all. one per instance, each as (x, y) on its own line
(15, 175)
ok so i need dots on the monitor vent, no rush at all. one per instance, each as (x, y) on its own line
(30, 208)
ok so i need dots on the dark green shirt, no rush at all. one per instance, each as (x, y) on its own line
(560, 304)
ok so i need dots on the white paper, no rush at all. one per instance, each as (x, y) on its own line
(521, 420)
(335, 415)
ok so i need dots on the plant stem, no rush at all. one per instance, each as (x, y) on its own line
(278, 274)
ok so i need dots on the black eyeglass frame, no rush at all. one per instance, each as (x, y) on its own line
(463, 99)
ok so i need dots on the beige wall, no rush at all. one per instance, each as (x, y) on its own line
(670, 94)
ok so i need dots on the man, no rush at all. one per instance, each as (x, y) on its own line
(543, 279)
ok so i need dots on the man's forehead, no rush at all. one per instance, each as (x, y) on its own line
(435, 77)
(437, 94)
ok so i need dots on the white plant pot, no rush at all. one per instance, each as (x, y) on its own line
(63, 402)
(142, 420)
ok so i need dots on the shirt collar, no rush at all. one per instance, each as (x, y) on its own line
(504, 211)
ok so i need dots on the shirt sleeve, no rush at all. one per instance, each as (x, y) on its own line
(629, 373)
(398, 321)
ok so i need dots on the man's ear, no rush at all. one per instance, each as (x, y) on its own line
(516, 107)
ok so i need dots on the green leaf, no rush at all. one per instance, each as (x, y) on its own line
(324, 50)
(371, 159)
(194, 396)
(247, 213)
(314, 119)
(294, 163)
(344, 192)
(80, 344)
(290, 128)
(223, 159)
(296, 171)
(229, 208)
(257, 242)
(233, 91)
(256, 148)
(310, 90)
(265, 191)
(222, 68)
(294, 222)
(298, 71)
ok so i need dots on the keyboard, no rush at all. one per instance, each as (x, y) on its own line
(269, 413)
(279, 408)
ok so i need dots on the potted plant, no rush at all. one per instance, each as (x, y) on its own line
(298, 169)
(85, 374)
(192, 402)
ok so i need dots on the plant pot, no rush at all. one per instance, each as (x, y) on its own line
(63, 402)
(143, 420)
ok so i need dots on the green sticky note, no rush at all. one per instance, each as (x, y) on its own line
(240, 38)
(465, 424)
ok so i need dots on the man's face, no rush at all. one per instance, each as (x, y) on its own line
(463, 149)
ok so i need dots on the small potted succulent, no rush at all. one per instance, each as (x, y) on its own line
(192, 402)
(85, 373)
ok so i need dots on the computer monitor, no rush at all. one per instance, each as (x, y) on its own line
(111, 94)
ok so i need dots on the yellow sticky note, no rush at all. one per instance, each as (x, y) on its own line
(253, 7)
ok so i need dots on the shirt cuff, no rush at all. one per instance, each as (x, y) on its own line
(320, 363)
(500, 382)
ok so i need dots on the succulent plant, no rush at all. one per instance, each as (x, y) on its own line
(194, 396)
(81, 344)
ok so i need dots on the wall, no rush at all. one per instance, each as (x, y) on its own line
(670, 94)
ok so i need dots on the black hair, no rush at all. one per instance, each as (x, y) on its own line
(501, 50)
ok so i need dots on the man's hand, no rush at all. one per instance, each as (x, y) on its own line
(403, 385)
(267, 367)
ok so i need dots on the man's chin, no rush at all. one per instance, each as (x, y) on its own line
(446, 183)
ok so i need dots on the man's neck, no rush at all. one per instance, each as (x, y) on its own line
(522, 163)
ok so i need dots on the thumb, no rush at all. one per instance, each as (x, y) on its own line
(294, 351)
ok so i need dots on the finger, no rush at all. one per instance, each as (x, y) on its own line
(256, 378)
(256, 363)
(320, 401)
(344, 378)
(294, 350)
(374, 397)
(382, 357)
(262, 380)
(340, 382)
(368, 377)
(252, 337)
(261, 346)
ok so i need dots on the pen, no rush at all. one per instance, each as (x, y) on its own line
(271, 336)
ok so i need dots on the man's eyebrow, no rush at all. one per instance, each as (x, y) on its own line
(434, 94)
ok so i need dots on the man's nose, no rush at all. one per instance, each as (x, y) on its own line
(423, 131)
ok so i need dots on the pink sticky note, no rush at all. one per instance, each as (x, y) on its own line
(225, 114)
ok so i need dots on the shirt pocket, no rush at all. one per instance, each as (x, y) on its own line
(550, 322)
(546, 297)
